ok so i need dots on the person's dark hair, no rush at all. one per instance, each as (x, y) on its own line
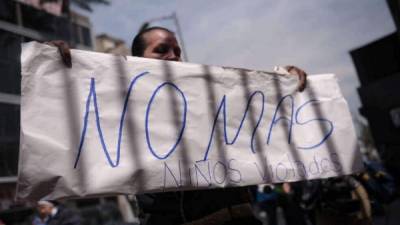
(139, 44)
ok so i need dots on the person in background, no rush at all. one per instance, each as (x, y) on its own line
(267, 203)
(43, 213)
(228, 206)
(53, 213)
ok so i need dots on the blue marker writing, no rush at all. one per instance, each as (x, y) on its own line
(92, 94)
(330, 131)
(171, 150)
(222, 107)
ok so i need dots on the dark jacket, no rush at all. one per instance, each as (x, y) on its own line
(65, 216)
(172, 208)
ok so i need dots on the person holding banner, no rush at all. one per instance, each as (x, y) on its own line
(217, 206)
(233, 204)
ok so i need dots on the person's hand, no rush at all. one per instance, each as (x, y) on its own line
(287, 188)
(302, 76)
(64, 50)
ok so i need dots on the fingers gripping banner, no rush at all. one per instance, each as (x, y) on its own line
(110, 125)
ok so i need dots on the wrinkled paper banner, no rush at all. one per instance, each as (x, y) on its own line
(110, 126)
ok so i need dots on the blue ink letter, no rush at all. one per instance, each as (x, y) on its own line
(92, 94)
(147, 121)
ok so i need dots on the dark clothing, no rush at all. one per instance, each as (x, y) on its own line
(179, 207)
(38, 221)
(64, 216)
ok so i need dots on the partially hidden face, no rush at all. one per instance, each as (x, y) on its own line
(161, 44)
(44, 210)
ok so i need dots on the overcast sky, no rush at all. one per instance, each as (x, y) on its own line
(315, 35)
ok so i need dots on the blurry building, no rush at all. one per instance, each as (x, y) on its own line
(44, 20)
(108, 44)
(81, 35)
(22, 21)
(378, 68)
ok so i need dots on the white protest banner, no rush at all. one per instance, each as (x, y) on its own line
(109, 125)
